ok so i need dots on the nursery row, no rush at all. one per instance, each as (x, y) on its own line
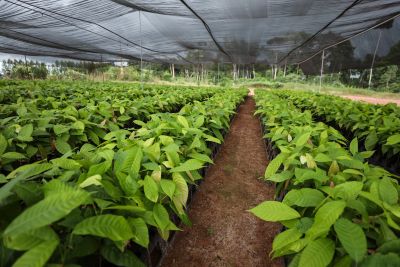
(376, 126)
(336, 209)
(47, 126)
(101, 201)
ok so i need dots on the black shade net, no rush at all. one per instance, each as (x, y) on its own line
(207, 31)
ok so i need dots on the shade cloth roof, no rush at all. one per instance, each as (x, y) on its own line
(194, 31)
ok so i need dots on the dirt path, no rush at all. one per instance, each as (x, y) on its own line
(373, 100)
(223, 232)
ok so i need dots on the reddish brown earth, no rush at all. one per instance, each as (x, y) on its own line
(224, 233)
(372, 100)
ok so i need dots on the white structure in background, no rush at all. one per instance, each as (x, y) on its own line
(121, 64)
(354, 74)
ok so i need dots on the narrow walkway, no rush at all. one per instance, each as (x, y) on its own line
(223, 232)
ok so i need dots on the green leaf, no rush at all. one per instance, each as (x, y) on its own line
(108, 226)
(129, 160)
(322, 158)
(52, 208)
(30, 170)
(281, 177)
(92, 180)
(345, 261)
(118, 258)
(285, 238)
(394, 139)
(78, 125)
(366, 154)
(318, 253)
(189, 165)
(168, 187)
(150, 189)
(99, 168)
(379, 260)
(30, 239)
(140, 231)
(305, 197)
(354, 146)
(325, 217)
(210, 138)
(201, 157)
(388, 192)
(25, 134)
(37, 256)
(181, 192)
(5, 191)
(62, 146)
(390, 246)
(153, 152)
(81, 246)
(60, 129)
(274, 165)
(348, 190)
(182, 121)
(137, 161)
(13, 156)
(166, 140)
(333, 169)
(302, 139)
(3, 144)
(161, 216)
(371, 140)
(199, 121)
(352, 238)
(68, 164)
(274, 211)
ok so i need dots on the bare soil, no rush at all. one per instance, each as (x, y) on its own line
(372, 100)
(224, 233)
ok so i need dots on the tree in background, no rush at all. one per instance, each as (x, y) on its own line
(18, 69)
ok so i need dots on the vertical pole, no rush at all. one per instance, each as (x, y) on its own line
(26, 65)
(102, 70)
(198, 67)
(218, 74)
(273, 71)
(141, 50)
(121, 70)
(373, 59)
(322, 70)
(284, 70)
(172, 68)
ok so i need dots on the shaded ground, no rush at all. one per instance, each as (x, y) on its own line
(373, 100)
(223, 232)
